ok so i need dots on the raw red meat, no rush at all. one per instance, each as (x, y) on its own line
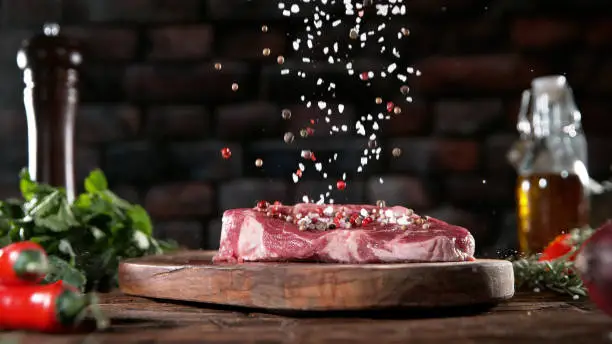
(339, 234)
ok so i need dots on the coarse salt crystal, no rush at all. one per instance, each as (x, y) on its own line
(403, 220)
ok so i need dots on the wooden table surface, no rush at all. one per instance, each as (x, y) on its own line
(528, 318)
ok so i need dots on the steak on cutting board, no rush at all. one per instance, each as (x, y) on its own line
(339, 234)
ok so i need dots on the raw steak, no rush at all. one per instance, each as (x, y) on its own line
(339, 234)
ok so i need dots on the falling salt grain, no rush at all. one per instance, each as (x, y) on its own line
(234, 87)
(258, 162)
(315, 26)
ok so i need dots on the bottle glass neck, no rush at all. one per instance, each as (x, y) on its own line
(555, 115)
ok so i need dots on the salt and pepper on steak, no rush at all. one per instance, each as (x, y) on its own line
(339, 234)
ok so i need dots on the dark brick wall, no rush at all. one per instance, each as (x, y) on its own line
(155, 112)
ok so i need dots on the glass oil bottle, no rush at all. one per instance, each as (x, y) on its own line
(552, 187)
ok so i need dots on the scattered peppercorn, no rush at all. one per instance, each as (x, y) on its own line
(226, 153)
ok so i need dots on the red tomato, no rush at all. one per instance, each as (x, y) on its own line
(559, 247)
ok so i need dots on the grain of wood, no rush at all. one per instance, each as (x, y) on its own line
(190, 276)
(527, 318)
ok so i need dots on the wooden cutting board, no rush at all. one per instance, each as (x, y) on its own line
(190, 276)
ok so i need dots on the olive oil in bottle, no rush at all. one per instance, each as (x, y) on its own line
(551, 190)
(548, 204)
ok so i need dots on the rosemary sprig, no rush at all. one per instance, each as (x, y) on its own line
(557, 275)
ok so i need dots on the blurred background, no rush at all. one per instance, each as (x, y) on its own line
(154, 112)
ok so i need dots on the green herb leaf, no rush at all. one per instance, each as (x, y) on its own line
(5, 241)
(88, 237)
(116, 200)
(44, 206)
(29, 188)
(96, 182)
(41, 239)
(141, 220)
(26, 185)
(53, 223)
(62, 270)
(66, 248)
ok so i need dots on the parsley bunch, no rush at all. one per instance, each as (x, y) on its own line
(85, 239)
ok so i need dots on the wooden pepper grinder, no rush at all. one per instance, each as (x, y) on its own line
(50, 63)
